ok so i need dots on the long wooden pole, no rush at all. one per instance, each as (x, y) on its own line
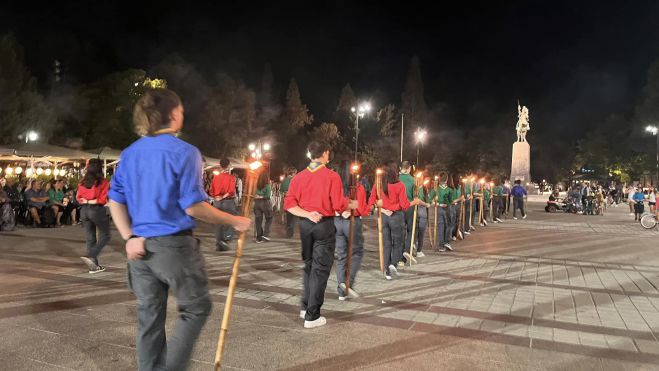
(351, 231)
(416, 210)
(248, 197)
(434, 230)
(378, 189)
(471, 204)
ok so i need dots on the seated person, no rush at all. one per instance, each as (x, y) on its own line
(56, 200)
(7, 216)
(36, 199)
(553, 196)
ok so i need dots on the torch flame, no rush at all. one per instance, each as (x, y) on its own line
(379, 171)
(473, 178)
(419, 174)
(354, 168)
(425, 182)
(464, 180)
(482, 181)
(255, 165)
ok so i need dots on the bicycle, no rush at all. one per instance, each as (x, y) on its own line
(649, 221)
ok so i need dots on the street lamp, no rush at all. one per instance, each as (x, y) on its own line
(31, 136)
(259, 149)
(360, 111)
(420, 137)
(653, 129)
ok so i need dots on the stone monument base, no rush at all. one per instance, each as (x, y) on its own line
(521, 164)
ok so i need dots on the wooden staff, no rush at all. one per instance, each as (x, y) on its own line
(491, 202)
(354, 169)
(248, 197)
(378, 190)
(463, 210)
(481, 216)
(417, 184)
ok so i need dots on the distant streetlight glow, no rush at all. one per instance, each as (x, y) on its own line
(420, 137)
(251, 146)
(653, 129)
(360, 111)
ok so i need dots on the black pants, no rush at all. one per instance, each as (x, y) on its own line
(518, 203)
(93, 217)
(262, 208)
(290, 224)
(318, 241)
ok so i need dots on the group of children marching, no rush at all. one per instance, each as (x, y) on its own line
(407, 205)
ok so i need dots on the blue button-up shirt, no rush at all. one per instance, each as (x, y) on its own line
(157, 179)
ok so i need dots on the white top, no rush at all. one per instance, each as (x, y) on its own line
(653, 197)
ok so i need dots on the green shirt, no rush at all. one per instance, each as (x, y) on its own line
(285, 184)
(264, 192)
(55, 196)
(497, 190)
(455, 193)
(444, 195)
(486, 194)
(408, 181)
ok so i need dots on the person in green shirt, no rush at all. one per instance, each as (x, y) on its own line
(426, 194)
(497, 200)
(456, 199)
(56, 200)
(408, 181)
(443, 199)
(263, 207)
(290, 218)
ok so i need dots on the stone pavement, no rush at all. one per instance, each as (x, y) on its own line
(553, 292)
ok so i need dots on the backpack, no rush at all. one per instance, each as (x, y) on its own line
(7, 217)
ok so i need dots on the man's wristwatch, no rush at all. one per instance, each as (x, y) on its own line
(132, 236)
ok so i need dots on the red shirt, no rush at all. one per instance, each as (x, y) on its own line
(223, 184)
(317, 190)
(96, 192)
(363, 208)
(396, 200)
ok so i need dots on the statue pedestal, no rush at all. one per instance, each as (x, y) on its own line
(521, 164)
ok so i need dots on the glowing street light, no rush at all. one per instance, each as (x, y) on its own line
(31, 136)
(419, 137)
(360, 111)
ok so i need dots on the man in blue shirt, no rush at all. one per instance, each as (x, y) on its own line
(36, 198)
(155, 193)
(518, 192)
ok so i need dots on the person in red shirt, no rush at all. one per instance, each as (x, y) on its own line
(223, 193)
(92, 195)
(315, 196)
(394, 203)
(342, 224)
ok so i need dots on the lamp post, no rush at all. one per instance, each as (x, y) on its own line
(653, 129)
(419, 137)
(360, 111)
(31, 136)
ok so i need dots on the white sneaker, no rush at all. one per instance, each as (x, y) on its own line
(514, 217)
(351, 293)
(499, 220)
(448, 247)
(467, 233)
(392, 269)
(420, 254)
(303, 313)
(401, 265)
(321, 321)
(454, 238)
(387, 277)
(409, 257)
(524, 217)
(342, 298)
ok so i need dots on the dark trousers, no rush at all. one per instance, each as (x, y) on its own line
(452, 221)
(225, 232)
(497, 202)
(290, 224)
(93, 218)
(468, 206)
(175, 263)
(342, 235)
(393, 229)
(421, 226)
(457, 226)
(518, 203)
(318, 254)
(443, 226)
(262, 208)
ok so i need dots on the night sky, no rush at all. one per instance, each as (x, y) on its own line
(572, 62)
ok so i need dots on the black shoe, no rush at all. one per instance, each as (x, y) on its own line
(222, 246)
(98, 269)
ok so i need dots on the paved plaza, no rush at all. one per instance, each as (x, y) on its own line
(553, 292)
